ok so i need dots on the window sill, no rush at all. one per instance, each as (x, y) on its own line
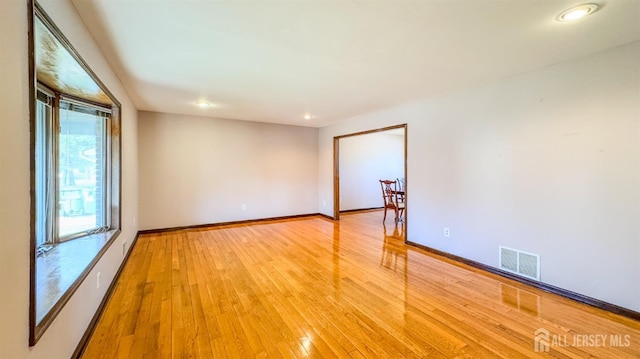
(64, 267)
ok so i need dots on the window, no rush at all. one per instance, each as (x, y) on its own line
(75, 176)
(72, 183)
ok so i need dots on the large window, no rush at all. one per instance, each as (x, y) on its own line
(72, 182)
(75, 171)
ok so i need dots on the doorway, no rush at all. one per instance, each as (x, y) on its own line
(342, 196)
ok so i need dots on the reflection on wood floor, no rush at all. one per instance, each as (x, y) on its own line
(349, 289)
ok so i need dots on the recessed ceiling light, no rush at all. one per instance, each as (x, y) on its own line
(577, 12)
(203, 104)
(308, 116)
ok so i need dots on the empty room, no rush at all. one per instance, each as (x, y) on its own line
(326, 179)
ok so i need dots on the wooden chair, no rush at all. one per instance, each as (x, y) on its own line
(393, 199)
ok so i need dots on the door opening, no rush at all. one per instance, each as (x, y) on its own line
(360, 160)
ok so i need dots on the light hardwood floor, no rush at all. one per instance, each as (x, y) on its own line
(349, 289)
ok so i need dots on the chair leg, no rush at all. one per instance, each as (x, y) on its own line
(385, 215)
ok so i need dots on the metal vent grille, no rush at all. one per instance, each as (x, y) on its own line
(522, 263)
(529, 265)
(508, 259)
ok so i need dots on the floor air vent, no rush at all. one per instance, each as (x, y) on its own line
(518, 262)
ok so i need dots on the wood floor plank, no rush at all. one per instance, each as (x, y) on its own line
(323, 289)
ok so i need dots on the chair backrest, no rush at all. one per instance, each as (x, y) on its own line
(389, 190)
(400, 183)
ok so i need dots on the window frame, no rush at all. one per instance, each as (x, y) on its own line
(57, 103)
(40, 321)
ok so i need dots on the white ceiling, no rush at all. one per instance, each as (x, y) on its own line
(273, 61)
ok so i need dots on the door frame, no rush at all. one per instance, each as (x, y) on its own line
(336, 165)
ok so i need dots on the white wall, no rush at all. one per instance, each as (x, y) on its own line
(197, 170)
(61, 338)
(364, 160)
(547, 162)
